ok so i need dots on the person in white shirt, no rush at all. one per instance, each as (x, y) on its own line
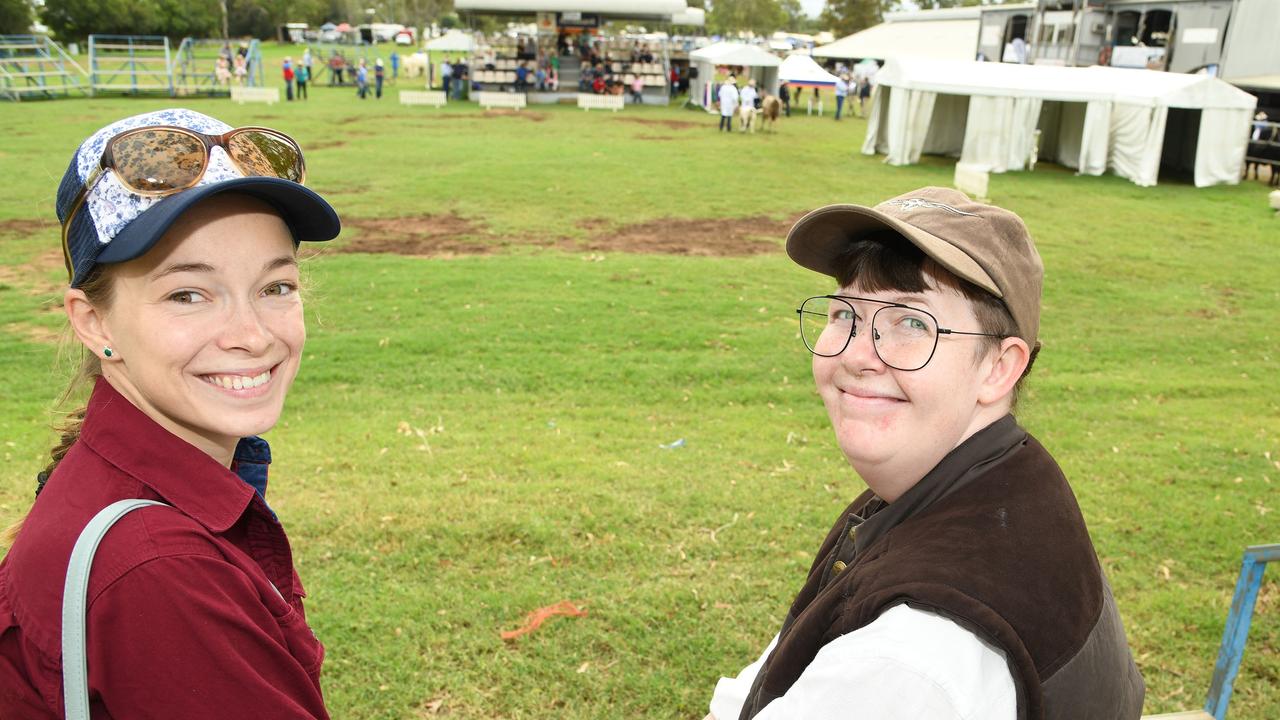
(962, 584)
(728, 99)
(842, 91)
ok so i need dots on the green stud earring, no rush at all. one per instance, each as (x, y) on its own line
(106, 351)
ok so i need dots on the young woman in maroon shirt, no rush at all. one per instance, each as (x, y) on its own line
(180, 236)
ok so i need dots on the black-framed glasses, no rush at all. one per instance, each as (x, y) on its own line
(904, 337)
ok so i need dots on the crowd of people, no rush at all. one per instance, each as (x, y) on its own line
(299, 75)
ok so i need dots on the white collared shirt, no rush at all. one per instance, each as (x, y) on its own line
(907, 664)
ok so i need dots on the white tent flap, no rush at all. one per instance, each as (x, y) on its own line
(1221, 146)
(1133, 132)
(1000, 132)
(910, 112)
(875, 142)
(1095, 139)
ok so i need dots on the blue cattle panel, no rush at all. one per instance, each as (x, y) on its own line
(1236, 632)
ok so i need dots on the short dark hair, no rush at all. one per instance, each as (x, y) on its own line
(885, 261)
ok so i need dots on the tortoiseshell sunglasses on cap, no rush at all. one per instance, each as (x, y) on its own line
(161, 160)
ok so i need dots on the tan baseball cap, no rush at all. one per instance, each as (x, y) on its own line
(986, 245)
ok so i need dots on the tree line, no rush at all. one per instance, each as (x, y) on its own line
(76, 19)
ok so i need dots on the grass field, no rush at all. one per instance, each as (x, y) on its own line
(477, 428)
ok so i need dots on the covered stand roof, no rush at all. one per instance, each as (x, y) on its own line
(947, 34)
(1135, 87)
(694, 17)
(733, 53)
(631, 9)
(802, 71)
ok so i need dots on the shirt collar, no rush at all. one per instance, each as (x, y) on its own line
(186, 477)
(969, 459)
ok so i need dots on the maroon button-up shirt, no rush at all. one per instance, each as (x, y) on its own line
(184, 617)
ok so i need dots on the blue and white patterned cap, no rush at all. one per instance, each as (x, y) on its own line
(114, 224)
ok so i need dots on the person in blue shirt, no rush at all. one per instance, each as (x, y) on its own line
(362, 79)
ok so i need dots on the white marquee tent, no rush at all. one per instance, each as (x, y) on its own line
(452, 41)
(945, 34)
(758, 63)
(802, 71)
(1134, 122)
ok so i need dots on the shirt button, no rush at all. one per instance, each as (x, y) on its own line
(839, 566)
(853, 534)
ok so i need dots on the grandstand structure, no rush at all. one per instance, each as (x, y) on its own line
(561, 23)
(34, 66)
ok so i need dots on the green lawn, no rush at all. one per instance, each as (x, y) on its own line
(476, 435)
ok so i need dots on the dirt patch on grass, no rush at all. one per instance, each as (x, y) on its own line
(35, 333)
(657, 137)
(451, 235)
(24, 226)
(326, 144)
(682, 236)
(424, 235)
(35, 277)
(491, 114)
(522, 114)
(672, 124)
(595, 223)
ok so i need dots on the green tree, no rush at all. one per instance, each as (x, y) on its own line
(16, 17)
(794, 13)
(184, 18)
(849, 16)
(797, 21)
(77, 19)
(759, 16)
(261, 18)
(414, 13)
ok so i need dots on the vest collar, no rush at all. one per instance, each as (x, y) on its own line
(875, 517)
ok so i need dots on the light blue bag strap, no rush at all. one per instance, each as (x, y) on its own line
(75, 673)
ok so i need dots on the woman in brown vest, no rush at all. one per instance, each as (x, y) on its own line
(962, 583)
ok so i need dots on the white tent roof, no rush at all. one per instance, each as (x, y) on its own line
(1262, 82)
(696, 17)
(452, 41)
(803, 69)
(621, 8)
(731, 53)
(1134, 87)
(939, 39)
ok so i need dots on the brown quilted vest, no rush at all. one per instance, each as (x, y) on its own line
(993, 539)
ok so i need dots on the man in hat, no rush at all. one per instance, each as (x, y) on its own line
(962, 583)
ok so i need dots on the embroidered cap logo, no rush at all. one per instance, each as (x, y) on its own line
(910, 204)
